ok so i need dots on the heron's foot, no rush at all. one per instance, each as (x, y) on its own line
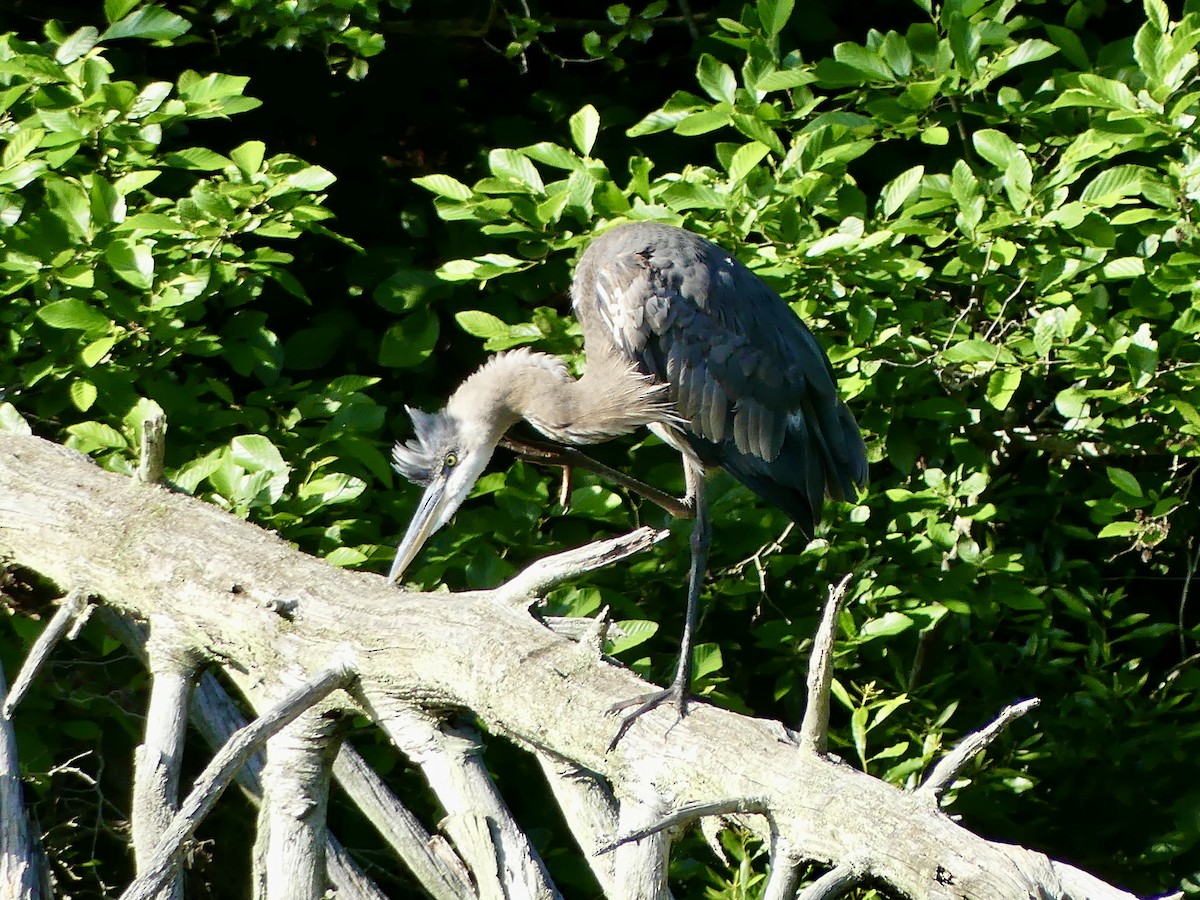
(676, 695)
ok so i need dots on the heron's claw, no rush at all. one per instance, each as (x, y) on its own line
(676, 695)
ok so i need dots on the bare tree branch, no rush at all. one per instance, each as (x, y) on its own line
(952, 763)
(19, 871)
(289, 857)
(219, 773)
(67, 618)
(159, 758)
(75, 523)
(814, 729)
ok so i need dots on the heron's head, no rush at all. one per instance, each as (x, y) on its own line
(447, 456)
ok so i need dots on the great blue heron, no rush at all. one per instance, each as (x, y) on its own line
(680, 337)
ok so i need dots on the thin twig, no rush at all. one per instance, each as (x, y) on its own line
(568, 457)
(689, 17)
(689, 812)
(1003, 306)
(757, 557)
(220, 771)
(1173, 672)
(953, 762)
(1192, 563)
(75, 608)
(814, 728)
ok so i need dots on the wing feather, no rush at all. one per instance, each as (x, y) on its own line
(743, 371)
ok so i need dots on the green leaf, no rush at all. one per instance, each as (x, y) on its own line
(706, 659)
(83, 394)
(11, 421)
(897, 191)
(585, 125)
(345, 557)
(1070, 45)
(132, 261)
(1001, 386)
(1124, 267)
(1157, 14)
(1096, 91)
(552, 154)
(1123, 480)
(976, 350)
(745, 159)
(858, 731)
(774, 15)
(88, 437)
(1119, 529)
(249, 156)
(76, 45)
(1114, 184)
(784, 80)
(481, 324)
(311, 178)
(1072, 403)
(593, 502)
(95, 352)
(73, 313)
(114, 10)
(659, 120)
(444, 186)
(256, 453)
(70, 205)
(705, 121)
(197, 158)
(996, 147)
(1025, 53)
(151, 22)
(512, 164)
(889, 624)
(716, 78)
(632, 633)
(863, 61)
(936, 135)
(21, 144)
(410, 341)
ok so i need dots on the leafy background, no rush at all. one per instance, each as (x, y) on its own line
(281, 222)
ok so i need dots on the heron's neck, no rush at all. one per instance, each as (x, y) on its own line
(610, 399)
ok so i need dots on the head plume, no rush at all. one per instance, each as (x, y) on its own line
(420, 457)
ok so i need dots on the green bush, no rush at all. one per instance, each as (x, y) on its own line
(985, 213)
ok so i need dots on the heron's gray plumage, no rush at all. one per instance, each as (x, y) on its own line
(751, 381)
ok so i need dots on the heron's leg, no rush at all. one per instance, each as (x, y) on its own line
(568, 457)
(677, 692)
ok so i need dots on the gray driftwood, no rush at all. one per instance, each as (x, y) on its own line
(217, 591)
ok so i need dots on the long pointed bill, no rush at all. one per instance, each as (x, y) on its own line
(424, 522)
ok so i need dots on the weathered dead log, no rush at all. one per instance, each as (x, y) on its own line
(274, 617)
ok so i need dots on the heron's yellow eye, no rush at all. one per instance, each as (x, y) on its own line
(451, 460)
